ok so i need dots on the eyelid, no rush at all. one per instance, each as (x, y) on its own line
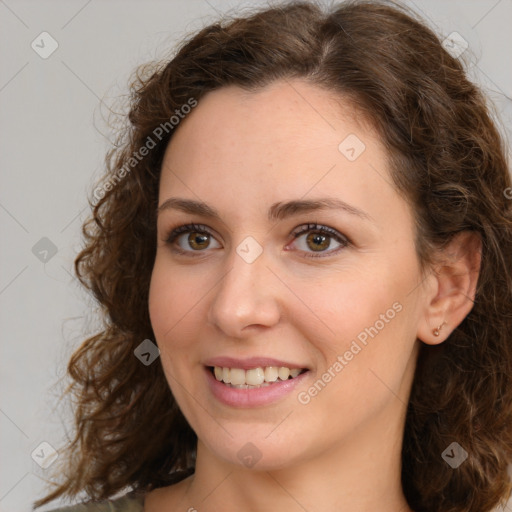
(342, 239)
(187, 228)
(316, 227)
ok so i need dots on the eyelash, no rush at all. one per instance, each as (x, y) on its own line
(314, 227)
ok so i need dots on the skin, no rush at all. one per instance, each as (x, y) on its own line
(240, 152)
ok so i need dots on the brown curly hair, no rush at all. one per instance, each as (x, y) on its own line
(448, 161)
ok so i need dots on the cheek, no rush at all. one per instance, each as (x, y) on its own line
(171, 300)
(177, 313)
(363, 319)
(161, 302)
(361, 366)
(338, 310)
(168, 308)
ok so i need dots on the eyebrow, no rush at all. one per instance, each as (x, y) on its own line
(278, 211)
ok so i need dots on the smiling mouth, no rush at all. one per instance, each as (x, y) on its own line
(255, 377)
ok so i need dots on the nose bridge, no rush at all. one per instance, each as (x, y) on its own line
(245, 296)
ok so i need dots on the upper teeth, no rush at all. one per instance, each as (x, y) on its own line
(254, 376)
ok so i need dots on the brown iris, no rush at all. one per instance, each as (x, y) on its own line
(317, 238)
(198, 240)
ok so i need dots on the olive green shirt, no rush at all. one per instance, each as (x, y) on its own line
(126, 503)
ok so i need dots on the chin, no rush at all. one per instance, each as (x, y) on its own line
(253, 449)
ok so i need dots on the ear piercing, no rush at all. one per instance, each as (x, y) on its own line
(437, 331)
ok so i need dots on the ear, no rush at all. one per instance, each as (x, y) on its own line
(451, 287)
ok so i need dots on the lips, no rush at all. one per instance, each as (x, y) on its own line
(252, 382)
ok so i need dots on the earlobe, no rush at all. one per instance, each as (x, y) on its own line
(437, 330)
(455, 280)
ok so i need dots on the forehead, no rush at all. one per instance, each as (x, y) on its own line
(284, 114)
(244, 150)
(285, 122)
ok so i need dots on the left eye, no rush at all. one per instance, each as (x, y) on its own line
(318, 239)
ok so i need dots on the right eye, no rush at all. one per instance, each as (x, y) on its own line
(199, 238)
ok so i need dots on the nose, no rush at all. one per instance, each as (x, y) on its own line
(246, 298)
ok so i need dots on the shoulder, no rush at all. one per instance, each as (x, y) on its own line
(126, 503)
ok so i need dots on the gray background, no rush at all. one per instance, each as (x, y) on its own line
(52, 142)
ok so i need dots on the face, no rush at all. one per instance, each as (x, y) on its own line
(286, 267)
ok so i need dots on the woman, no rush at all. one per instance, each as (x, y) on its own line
(302, 251)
